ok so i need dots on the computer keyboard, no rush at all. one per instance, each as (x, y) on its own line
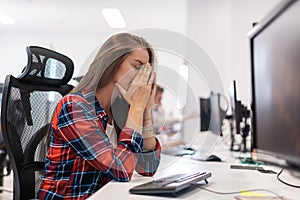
(170, 184)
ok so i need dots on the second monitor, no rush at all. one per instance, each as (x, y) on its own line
(212, 113)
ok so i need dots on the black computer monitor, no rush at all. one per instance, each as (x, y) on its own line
(275, 69)
(1, 89)
(205, 113)
(212, 113)
(236, 112)
(239, 119)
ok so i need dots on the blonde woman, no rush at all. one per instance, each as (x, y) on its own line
(88, 146)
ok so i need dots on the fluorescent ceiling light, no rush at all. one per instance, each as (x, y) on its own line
(6, 19)
(183, 77)
(113, 17)
(184, 71)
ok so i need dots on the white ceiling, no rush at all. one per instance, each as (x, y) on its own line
(80, 16)
(77, 27)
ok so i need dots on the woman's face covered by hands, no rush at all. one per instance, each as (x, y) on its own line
(135, 77)
(130, 67)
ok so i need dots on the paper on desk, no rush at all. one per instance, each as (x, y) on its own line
(255, 194)
(259, 198)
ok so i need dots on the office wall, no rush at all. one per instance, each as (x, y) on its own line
(220, 28)
(13, 48)
(243, 14)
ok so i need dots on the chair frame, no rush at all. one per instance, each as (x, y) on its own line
(22, 162)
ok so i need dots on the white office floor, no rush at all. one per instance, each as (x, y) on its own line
(7, 184)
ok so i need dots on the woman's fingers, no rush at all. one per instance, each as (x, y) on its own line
(123, 92)
(152, 78)
(142, 75)
(139, 75)
(141, 85)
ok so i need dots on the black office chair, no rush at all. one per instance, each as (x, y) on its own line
(28, 102)
(4, 161)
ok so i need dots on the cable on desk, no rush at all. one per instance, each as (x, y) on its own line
(5, 189)
(237, 192)
(284, 182)
(295, 174)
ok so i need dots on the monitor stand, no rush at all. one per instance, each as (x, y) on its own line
(246, 129)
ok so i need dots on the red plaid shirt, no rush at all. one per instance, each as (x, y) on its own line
(80, 157)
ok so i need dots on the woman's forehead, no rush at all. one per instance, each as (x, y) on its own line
(139, 54)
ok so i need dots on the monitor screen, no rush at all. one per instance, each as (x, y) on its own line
(212, 113)
(275, 68)
(205, 113)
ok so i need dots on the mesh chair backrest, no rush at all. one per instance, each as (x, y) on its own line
(28, 104)
(42, 105)
(29, 140)
(47, 67)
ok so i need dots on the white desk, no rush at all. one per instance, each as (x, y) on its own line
(223, 179)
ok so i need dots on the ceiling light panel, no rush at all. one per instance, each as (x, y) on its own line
(6, 19)
(113, 17)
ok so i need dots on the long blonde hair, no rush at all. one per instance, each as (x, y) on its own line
(109, 58)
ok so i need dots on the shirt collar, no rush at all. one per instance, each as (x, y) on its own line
(92, 100)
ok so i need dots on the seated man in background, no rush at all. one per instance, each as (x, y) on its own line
(167, 128)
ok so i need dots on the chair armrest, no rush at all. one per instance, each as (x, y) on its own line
(29, 179)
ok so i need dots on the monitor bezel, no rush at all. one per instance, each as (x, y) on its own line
(282, 160)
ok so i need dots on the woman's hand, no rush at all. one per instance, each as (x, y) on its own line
(140, 89)
(137, 95)
(147, 112)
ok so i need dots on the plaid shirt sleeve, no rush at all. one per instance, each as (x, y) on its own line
(148, 161)
(79, 126)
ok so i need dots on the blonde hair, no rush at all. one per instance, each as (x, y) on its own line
(109, 58)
